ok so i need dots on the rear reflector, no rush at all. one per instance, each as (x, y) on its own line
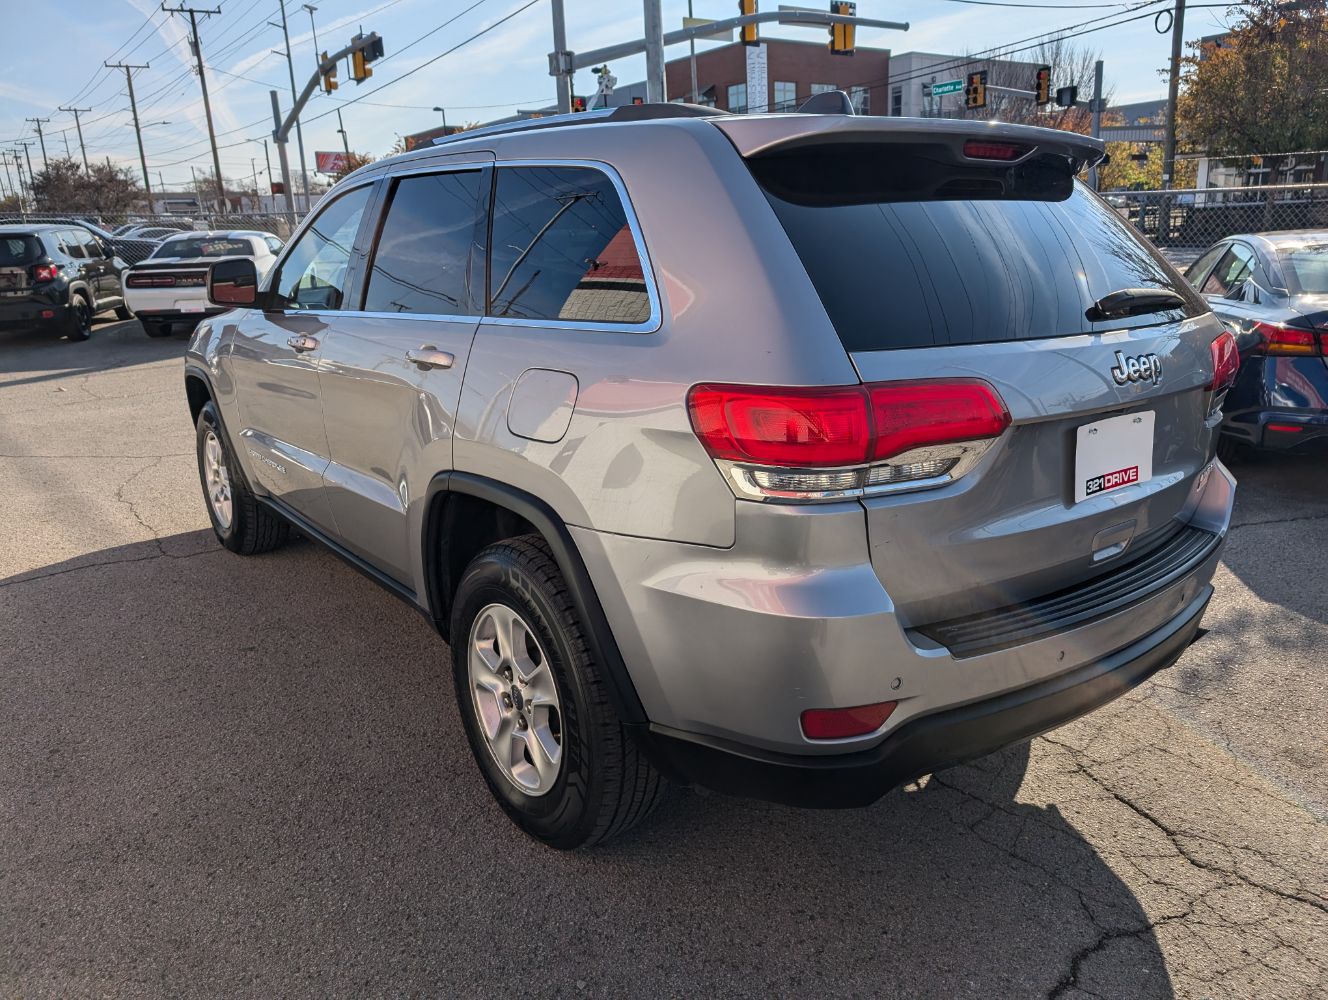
(842, 723)
(976, 150)
(1277, 339)
(1226, 362)
(1286, 428)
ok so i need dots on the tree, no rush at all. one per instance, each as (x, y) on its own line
(352, 162)
(1261, 90)
(10, 203)
(64, 186)
(1124, 172)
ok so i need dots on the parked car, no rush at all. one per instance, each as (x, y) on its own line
(153, 232)
(57, 278)
(885, 445)
(170, 286)
(1271, 291)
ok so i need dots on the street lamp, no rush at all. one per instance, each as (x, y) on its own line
(311, 8)
(442, 112)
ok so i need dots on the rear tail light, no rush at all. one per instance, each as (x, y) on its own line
(1226, 363)
(150, 281)
(843, 723)
(1274, 338)
(45, 272)
(805, 444)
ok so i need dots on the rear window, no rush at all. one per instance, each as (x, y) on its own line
(204, 247)
(1020, 256)
(1306, 269)
(16, 250)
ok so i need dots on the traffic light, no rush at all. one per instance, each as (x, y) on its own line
(359, 71)
(1066, 96)
(1043, 85)
(329, 76)
(748, 32)
(370, 49)
(841, 35)
(975, 94)
(578, 104)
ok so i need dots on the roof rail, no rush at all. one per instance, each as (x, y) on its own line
(625, 113)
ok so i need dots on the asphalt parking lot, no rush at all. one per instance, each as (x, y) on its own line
(246, 777)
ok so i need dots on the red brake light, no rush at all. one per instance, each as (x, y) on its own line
(782, 427)
(841, 723)
(1226, 362)
(976, 150)
(908, 415)
(45, 272)
(1276, 339)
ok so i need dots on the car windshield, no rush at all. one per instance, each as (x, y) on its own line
(204, 246)
(1307, 269)
(20, 249)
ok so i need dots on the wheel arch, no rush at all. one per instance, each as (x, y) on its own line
(464, 513)
(198, 390)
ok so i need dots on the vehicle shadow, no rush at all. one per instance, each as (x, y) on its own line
(248, 776)
(114, 344)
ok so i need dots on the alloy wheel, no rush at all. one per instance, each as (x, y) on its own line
(217, 479)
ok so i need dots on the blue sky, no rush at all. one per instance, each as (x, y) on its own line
(504, 69)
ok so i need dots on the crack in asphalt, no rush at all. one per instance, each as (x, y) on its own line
(1278, 520)
(16, 581)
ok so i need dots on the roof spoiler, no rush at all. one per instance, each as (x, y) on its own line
(623, 113)
(828, 102)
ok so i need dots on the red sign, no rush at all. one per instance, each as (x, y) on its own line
(331, 163)
(1111, 480)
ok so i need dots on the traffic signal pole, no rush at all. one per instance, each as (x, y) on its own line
(657, 89)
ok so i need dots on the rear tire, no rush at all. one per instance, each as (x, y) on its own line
(79, 326)
(155, 327)
(600, 785)
(240, 522)
(124, 313)
(1229, 450)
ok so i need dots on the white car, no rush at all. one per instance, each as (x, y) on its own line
(170, 286)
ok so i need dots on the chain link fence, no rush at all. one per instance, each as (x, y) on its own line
(134, 246)
(1196, 218)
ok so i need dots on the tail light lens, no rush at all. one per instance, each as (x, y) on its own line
(1226, 363)
(806, 444)
(1275, 338)
(976, 150)
(843, 723)
(45, 272)
(150, 281)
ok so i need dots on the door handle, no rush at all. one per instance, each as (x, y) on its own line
(429, 356)
(302, 342)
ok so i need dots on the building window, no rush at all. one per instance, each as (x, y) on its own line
(738, 98)
(858, 97)
(786, 96)
(897, 101)
(821, 88)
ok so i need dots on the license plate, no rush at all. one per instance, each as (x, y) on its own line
(189, 307)
(10, 280)
(1112, 454)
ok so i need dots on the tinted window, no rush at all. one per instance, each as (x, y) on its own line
(1232, 271)
(16, 250)
(1196, 271)
(1307, 269)
(71, 244)
(562, 248)
(205, 247)
(91, 249)
(313, 275)
(422, 262)
(906, 271)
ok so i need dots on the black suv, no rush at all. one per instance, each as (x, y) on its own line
(58, 277)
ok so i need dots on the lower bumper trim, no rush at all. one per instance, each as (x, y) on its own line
(922, 745)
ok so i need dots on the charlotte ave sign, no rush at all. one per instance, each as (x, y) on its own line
(943, 87)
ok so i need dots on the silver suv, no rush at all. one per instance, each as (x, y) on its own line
(793, 455)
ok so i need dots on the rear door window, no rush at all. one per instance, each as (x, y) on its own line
(71, 244)
(902, 272)
(563, 250)
(1231, 273)
(424, 259)
(1197, 271)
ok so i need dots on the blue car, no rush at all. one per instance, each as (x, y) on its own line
(1271, 292)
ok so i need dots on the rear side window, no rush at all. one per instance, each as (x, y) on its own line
(977, 263)
(15, 250)
(562, 249)
(72, 244)
(423, 260)
(1307, 269)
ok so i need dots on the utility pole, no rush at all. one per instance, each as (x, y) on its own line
(345, 143)
(253, 166)
(27, 155)
(267, 158)
(1096, 108)
(560, 60)
(68, 154)
(1173, 90)
(9, 178)
(133, 108)
(41, 138)
(313, 28)
(79, 125)
(691, 45)
(299, 132)
(193, 13)
(656, 86)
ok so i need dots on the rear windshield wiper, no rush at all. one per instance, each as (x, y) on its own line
(1134, 302)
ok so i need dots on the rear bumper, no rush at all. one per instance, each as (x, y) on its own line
(26, 313)
(927, 743)
(170, 304)
(1279, 404)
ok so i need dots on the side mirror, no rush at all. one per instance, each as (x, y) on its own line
(233, 283)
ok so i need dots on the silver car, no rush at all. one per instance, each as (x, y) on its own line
(793, 455)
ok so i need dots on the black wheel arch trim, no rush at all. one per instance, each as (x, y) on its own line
(547, 522)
